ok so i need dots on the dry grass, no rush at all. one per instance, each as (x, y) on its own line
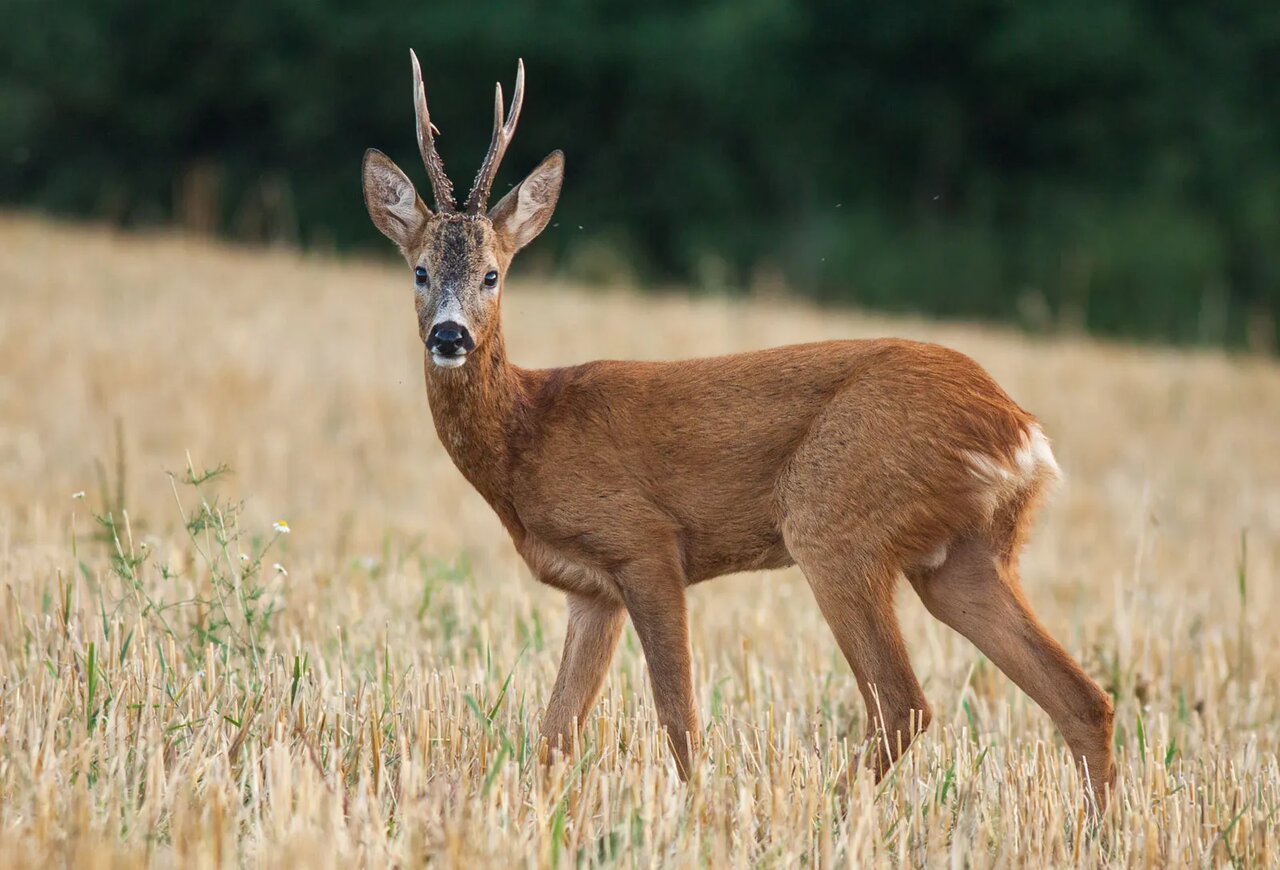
(383, 714)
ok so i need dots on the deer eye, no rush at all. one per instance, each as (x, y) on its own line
(491, 279)
(420, 276)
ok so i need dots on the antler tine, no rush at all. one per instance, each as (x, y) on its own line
(502, 135)
(440, 184)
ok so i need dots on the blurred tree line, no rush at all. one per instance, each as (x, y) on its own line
(1103, 164)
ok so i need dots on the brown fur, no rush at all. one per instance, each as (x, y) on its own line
(622, 483)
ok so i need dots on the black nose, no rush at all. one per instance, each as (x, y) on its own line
(449, 339)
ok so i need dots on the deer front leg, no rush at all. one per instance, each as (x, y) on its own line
(655, 600)
(595, 622)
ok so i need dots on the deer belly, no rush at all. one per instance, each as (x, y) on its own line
(563, 570)
(748, 550)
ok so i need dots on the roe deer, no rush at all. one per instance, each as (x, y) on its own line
(621, 483)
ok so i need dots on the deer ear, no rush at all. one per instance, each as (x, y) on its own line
(526, 210)
(394, 206)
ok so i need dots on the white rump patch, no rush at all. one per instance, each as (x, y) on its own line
(1032, 463)
(1035, 458)
(987, 468)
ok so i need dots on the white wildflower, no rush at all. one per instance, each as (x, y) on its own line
(79, 495)
(281, 526)
(280, 570)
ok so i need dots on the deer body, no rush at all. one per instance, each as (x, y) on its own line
(592, 461)
(621, 483)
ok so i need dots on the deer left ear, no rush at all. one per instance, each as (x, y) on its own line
(526, 210)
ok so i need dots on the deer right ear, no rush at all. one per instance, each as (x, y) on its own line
(394, 206)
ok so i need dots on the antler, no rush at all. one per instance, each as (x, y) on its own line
(502, 134)
(440, 184)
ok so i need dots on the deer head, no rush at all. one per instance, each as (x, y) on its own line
(460, 258)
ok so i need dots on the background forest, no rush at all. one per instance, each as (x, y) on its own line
(1107, 165)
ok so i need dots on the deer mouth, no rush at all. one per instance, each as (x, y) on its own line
(449, 361)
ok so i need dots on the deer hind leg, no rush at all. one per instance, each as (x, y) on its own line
(857, 604)
(976, 591)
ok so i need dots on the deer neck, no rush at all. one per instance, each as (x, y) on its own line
(476, 411)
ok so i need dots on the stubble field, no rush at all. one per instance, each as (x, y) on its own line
(184, 682)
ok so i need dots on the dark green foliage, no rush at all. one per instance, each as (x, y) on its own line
(1110, 164)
